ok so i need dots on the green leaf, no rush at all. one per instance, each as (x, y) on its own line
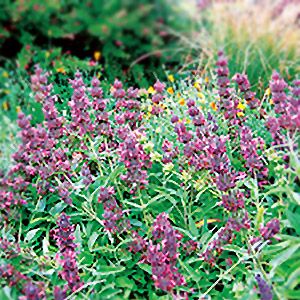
(293, 279)
(92, 240)
(193, 227)
(107, 270)
(58, 208)
(294, 219)
(283, 256)
(146, 268)
(31, 234)
(125, 282)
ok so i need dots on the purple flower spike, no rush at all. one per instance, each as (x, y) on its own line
(163, 255)
(64, 236)
(264, 289)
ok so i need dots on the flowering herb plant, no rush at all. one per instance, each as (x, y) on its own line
(186, 190)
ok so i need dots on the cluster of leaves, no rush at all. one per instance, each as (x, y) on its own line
(189, 190)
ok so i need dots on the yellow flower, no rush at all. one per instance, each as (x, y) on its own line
(268, 92)
(200, 95)
(170, 90)
(241, 106)
(5, 74)
(197, 86)
(201, 223)
(167, 168)
(5, 105)
(151, 90)
(213, 106)
(47, 54)
(148, 147)
(155, 156)
(171, 78)
(97, 55)
(163, 106)
(112, 89)
(18, 109)
(149, 108)
(61, 70)
(186, 176)
(271, 101)
(206, 80)
(147, 116)
(240, 114)
(188, 121)
(181, 101)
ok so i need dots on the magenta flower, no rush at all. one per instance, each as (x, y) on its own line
(162, 255)
(136, 161)
(244, 86)
(67, 252)
(270, 229)
(114, 221)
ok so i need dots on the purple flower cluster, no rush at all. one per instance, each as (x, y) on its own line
(39, 84)
(267, 231)
(244, 86)
(233, 201)
(64, 236)
(128, 113)
(53, 122)
(163, 254)
(80, 105)
(10, 249)
(136, 161)
(157, 98)
(225, 236)
(11, 275)
(138, 244)
(113, 214)
(223, 80)
(102, 123)
(33, 291)
(270, 229)
(286, 107)
(30, 290)
(170, 152)
(265, 290)
(86, 174)
(253, 160)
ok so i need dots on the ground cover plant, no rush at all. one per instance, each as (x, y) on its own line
(186, 190)
(124, 175)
